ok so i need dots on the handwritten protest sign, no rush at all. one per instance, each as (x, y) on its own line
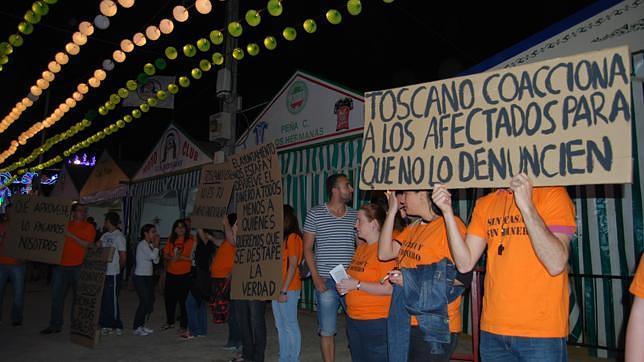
(215, 188)
(89, 293)
(564, 121)
(37, 228)
(258, 194)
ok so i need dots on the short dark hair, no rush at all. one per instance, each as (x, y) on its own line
(332, 181)
(76, 205)
(113, 218)
(145, 229)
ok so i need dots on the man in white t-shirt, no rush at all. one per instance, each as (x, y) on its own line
(110, 318)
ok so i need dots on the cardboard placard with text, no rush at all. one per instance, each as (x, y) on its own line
(565, 121)
(37, 228)
(257, 272)
(213, 196)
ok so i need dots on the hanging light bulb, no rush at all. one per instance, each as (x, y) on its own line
(118, 56)
(72, 49)
(152, 32)
(42, 84)
(78, 38)
(61, 58)
(70, 102)
(93, 82)
(108, 8)
(35, 90)
(27, 102)
(180, 13)
(64, 107)
(100, 74)
(77, 96)
(203, 6)
(127, 45)
(139, 39)
(166, 26)
(53, 67)
(86, 28)
(82, 88)
(48, 76)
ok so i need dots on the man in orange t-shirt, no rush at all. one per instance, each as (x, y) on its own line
(12, 270)
(527, 232)
(79, 235)
(635, 332)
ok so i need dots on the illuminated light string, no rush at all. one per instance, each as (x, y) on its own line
(333, 16)
(79, 38)
(108, 8)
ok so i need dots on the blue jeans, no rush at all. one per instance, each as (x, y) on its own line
(288, 329)
(328, 303)
(62, 278)
(197, 316)
(422, 351)
(367, 339)
(495, 347)
(15, 274)
(110, 310)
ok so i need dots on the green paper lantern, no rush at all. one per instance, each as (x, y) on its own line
(184, 81)
(113, 128)
(235, 29)
(102, 110)
(32, 17)
(131, 85)
(216, 37)
(142, 78)
(173, 88)
(50, 2)
(238, 54)
(310, 26)
(270, 42)
(127, 118)
(217, 58)
(123, 93)
(16, 40)
(334, 17)
(196, 73)
(252, 49)
(152, 102)
(86, 123)
(274, 7)
(289, 33)
(5, 48)
(144, 107)
(189, 50)
(120, 123)
(109, 106)
(40, 8)
(171, 53)
(136, 113)
(203, 44)
(253, 18)
(66, 153)
(160, 63)
(4, 60)
(354, 7)
(204, 65)
(149, 69)
(100, 134)
(388, 1)
(25, 28)
(115, 99)
(162, 95)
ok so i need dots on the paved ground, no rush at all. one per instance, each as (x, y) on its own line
(26, 344)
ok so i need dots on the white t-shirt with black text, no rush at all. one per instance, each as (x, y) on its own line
(114, 239)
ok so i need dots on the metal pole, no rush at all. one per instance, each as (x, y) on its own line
(229, 103)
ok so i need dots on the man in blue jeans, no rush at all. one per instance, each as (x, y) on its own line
(329, 227)
(12, 270)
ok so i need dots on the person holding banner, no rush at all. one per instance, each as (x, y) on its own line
(178, 256)
(147, 254)
(635, 332)
(367, 294)
(12, 270)
(329, 227)
(78, 236)
(527, 232)
(110, 317)
(424, 318)
(285, 307)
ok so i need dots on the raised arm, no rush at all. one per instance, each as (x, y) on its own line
(388, 248)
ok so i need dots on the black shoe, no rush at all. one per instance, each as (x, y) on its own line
(16, 324)
(50, 330)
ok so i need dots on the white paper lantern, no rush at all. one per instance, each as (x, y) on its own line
(64, 107)
(93, 82)
(100, 74)
(119, 56)
(108, 8)
(166, 26)
(72, 49)
(83, 88)
(78, 38)
(139, 39)
(152, 32)
(126, 3)
(53, 67)
(86, 28)
(58, 113)
(42, 84)
(33, 97)
(180, 13)
(70, 102)
(77, 96)
(203, 6)
(26, 102)
(127, 45)
(108, 65)
(61, 58)
(20, 107)
(35, 90)
(48, 76)
(101, 22)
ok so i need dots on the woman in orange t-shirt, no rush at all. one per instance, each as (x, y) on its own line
(178, 256)
(285, 307)
(367, 297)
(635, 331)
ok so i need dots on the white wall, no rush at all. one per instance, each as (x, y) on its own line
(166, 215)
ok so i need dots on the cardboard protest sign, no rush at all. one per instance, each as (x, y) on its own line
(37, 228)
(89, 293)
(257, 272)
(215, 188)
(564, 121)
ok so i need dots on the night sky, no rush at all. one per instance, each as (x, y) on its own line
(387, 45)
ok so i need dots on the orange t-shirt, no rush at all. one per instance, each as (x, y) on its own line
(292, 247)
(73, 254)
(426, 243)
(637, 287)
(366, 267)
(5, 260)
(521, 298)
(179, 267)
(222, 263)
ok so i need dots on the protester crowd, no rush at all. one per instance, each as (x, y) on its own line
(407, 258)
